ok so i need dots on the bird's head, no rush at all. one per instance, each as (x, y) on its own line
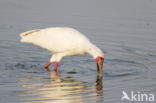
(98, 55)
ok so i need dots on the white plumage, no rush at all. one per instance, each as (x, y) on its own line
(61, 41)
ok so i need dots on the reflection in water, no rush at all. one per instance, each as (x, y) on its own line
(99, 88)
(58, 89)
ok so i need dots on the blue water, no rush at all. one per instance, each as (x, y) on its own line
(123, 29)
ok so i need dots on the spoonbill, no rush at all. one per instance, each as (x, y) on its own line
(62, 42)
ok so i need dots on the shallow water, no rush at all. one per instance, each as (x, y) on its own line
(123, 29)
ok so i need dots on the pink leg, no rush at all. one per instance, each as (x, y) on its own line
(47, 65)
(56, 65)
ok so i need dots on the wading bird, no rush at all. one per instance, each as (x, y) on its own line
(64, 41)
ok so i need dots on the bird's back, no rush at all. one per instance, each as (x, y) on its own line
(61, 39)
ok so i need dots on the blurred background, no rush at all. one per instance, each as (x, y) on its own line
(124, 29)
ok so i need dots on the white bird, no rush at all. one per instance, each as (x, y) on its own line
(63, 41)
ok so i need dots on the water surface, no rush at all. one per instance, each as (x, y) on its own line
(123, 29)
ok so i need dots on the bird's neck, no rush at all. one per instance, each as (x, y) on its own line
(94, 51)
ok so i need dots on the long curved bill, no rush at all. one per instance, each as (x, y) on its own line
(99, 62)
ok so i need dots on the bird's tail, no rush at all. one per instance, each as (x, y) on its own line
(28, 36)
(28, 33)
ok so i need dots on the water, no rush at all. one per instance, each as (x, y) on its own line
(123, 29)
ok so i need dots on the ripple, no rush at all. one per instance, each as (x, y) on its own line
(124, 61)
(23, 66)
(72, 72)
(152, 55)
(127, 63)
(127, 74)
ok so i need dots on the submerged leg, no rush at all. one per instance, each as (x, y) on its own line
(56, 65)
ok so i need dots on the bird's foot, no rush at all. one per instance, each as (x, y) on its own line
(47, 69)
